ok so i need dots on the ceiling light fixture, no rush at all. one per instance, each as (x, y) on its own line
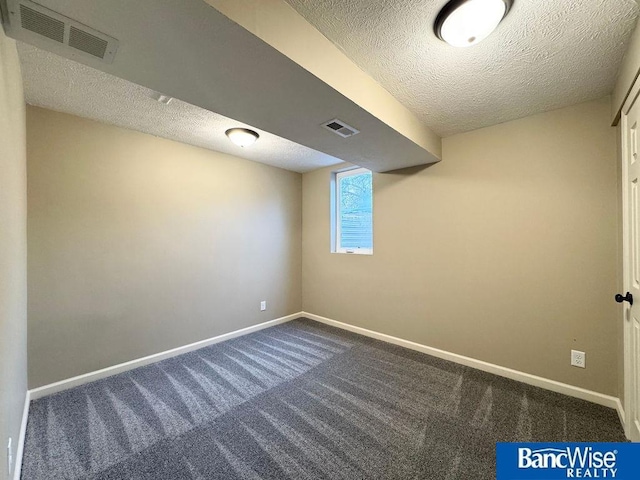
(462, 23)
(243, 137)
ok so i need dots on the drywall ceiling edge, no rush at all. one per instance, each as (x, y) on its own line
(279, 25)
(192, 52)
(57, 83)
(627, 75)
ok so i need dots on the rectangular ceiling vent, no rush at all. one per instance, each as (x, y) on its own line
(87, 42)
(41, 24)
(32, 23)
(340, 128)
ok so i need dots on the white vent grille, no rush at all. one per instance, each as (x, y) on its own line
(86, 42)
(41, 24)
(32, 23)
(340, 128)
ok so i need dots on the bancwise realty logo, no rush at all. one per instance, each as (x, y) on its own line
(558, 461)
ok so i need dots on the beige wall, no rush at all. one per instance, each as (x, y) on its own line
(139, 244)
(504, 252)
(13, 249)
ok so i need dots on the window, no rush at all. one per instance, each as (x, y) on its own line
(353, 211)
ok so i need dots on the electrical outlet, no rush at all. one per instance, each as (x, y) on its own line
(578, 359)
(9, 456)
(263, 305)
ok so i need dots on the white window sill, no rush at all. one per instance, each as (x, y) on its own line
(360, 251)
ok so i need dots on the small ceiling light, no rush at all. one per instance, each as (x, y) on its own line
(243, 137)
(462, 23)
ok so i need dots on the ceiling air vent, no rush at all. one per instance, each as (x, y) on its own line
(340, 128)
(32, 23)
(86, 42)
(41, 24)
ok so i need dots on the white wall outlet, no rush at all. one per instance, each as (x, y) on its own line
(263, 305)
(9, 456)
(578, 359)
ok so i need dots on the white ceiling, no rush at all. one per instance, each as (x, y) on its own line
(545, 55)
(189, 50)
(63, 85)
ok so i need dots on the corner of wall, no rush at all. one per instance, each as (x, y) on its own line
(13, 252)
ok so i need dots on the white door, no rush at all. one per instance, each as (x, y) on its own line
(631, 192)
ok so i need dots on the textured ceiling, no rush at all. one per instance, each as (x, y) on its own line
(189, 50)
(63, 85)
(544, 55)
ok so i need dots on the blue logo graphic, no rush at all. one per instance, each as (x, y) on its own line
(559, 461)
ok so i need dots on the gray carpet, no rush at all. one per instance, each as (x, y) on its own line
(298, 401)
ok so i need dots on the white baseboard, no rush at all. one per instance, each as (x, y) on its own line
(140, 362)
(554, 386)
(17, 468)
(621, 414)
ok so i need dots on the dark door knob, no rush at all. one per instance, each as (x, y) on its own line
(627, 298)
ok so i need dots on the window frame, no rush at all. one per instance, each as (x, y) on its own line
(335, 212)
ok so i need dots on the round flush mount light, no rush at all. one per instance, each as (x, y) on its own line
(243, 137)
(462, 23)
